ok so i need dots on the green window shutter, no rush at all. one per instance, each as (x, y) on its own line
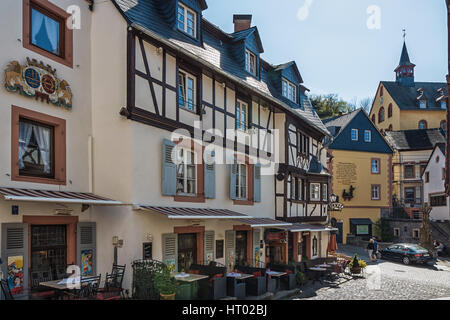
(15, 249)
(257, 182)
(169, 169)
(209, 246)
(170, 249)
(210, 180)
(87, 248)
(256, 241)
(230, 249)
(233, 173)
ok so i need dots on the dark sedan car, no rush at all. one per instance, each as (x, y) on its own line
(406, 253)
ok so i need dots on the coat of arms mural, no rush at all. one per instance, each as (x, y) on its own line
(34, 79)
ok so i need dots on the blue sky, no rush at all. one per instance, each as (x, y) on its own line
(335, 50)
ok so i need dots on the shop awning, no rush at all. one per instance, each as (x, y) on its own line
(304, 227)
(264, 222)
(15, 194)
(361, 221)
(194, 213)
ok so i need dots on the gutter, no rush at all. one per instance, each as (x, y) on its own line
(177, 48)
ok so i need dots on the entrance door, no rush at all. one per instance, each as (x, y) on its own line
(187, 251)
(339, 235)
(305, 247)
(48, 251)
(241, 247)
(276, 254)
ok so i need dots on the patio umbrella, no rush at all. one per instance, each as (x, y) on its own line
(332, 245)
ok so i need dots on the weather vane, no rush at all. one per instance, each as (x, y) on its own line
(404, 34)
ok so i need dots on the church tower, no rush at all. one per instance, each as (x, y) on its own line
(405, 71)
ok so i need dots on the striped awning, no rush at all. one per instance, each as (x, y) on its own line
(304, 227)
(194, 213)
(264, 222)
(15, 194)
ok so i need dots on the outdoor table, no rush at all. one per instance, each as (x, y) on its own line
(319, 271)
(239, 276)
(188, 290)
(238, 285)
(61, 285)
(277, 275)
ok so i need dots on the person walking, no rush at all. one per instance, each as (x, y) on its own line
(370, 249)
(375, 249)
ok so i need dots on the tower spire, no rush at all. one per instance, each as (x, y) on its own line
(405, 70)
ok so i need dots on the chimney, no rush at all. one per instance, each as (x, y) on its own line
(242, 22)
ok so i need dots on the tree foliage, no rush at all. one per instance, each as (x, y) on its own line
(382, 230)
(330, 105)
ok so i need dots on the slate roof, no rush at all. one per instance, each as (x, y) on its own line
(335, 124)
(216, 49)
(415, 139)
(406, 97)
(244, 34)
(442, 147)
(315, 167)
(404, 58)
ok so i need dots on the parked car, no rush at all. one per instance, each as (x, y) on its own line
(407, 253)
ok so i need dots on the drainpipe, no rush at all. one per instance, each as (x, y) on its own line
(320, 152)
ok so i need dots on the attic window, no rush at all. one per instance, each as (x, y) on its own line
(187, 20)
(443, 105)
(422, 104)
(250, 62)
(289, 90)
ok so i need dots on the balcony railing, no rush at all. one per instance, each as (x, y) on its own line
(401, 213)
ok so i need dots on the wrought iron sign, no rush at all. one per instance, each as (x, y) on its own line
(334, 204)
(34, 79)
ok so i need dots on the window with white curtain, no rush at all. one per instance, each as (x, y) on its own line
(186, 90)
(241, 115)
(315, 192)
(241, 181)
(45, 31)
(36, 155)
(289, 90)
(187, 20)
(186, 172)
(250, 62)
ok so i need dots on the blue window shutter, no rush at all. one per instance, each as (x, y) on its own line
(169, 169)
(257, 183)
(233, 173)
(210, 181)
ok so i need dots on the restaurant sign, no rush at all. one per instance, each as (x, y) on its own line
(36, 80)
(276, 236)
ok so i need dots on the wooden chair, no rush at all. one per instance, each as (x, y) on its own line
(89, 287)
(7, 295)
(112, 289)
(41, 292)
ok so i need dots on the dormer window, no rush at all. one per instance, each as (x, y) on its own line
(250, 62)
(289, 90)
(187, 20)
(443, 105)
(422, 104)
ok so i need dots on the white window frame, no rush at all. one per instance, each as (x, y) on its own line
(378, 191)
(242, 181)
(187, 10)
(422, 104)
(182, 161)
(378, 166)
(241, 109)
(367, 136)
(357, 134)
(324, 192)
(314, 194)
(443, 105)
(187, 76)
(287, 89)
(248, 62)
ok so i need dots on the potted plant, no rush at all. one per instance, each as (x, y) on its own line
(356, 265)
(300, 277)
(166, 285)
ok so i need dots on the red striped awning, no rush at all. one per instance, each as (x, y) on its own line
(264, 222)
(194, 213)
(55, 196)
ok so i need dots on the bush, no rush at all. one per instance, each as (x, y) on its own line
(300, 277)
(382, 230)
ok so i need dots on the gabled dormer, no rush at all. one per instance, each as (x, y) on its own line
(247, 44)
(184, 16)
(287, 80)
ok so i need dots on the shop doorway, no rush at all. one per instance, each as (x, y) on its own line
(49, 251)
(241, 247)
(276, 254)
(305, 247)
(187, 251)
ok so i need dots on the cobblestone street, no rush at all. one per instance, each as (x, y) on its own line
(385, 280)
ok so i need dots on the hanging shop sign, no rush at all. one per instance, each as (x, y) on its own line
(279, 237)
(334, 204)
(36, 80)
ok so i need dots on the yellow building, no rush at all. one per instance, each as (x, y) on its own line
(360, 166)
(404, 104)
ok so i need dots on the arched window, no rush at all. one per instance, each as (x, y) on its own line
(373, 118)
(390, 110)
(381, 115)
(422, 124)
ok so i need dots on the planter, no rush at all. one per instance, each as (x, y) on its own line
(355, 270)
(167, 296)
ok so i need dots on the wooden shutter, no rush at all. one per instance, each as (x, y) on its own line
(87, 248)
(209, 246)
(15, 253)
(170, 249)
(210, 179)
(257, 183)
(256, 240)
(230, 249)
(233, 173)
(169, 169)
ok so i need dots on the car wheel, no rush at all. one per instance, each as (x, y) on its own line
(406, 260)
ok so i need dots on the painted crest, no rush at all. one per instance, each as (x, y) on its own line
(37, 80)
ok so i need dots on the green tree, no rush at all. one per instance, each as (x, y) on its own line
(330, 105)
(382, 230)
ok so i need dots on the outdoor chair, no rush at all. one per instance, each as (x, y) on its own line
(7, 295)
(112, 289)
(257, 285)
(235, 288)
(215, 287)
(89, 287)
(41, 292)
(288, 281)
(119, 271)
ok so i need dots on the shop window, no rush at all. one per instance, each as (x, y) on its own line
(46, 31)
(39, 147)
(362, 229)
